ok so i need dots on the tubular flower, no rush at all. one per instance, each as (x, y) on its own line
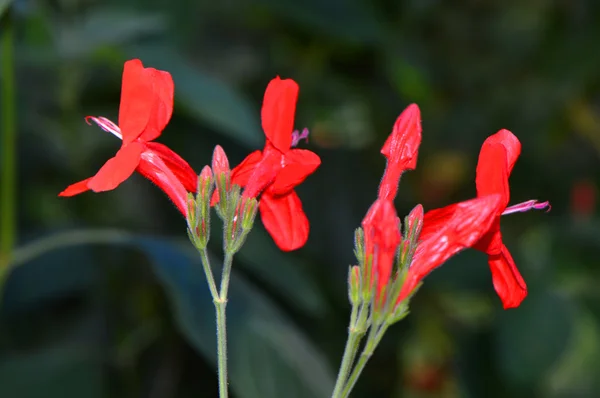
(381, 227)
(381, 224)
(278, 168)
(401, 150)
(146, 108)
(496, 160)
(460, 226)
(463, 225)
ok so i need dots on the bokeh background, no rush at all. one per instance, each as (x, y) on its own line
(105, 298)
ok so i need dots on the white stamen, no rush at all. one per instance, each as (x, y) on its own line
(105, 125)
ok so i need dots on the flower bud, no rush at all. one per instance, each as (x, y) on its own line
(220, 163)
(249, 210)
(222, 172)
(414, 223)
(354, 285)
(359, 245)
(202, 223)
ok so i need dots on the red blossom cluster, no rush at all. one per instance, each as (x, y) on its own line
(146, 108)
(446, 231)
(271, 175)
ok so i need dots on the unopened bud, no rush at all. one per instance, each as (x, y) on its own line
(222, 174)
(249, 210)
(368, 278)
(220, 163)
(354, 285)
(359, 245)
(414, 223)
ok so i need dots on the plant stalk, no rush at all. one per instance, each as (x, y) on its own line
(8, 142)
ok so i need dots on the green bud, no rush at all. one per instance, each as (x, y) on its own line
(359, 245)
(354, 285)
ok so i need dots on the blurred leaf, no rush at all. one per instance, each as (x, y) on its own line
(106, 27)
(282, 272)
(351, 20)
(68, 370)
(253, 321)
(4, 6)
(531, 338)
(576, 373)
(52, 276)
(205, 97)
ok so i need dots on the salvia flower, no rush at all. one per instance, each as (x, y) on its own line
(275, 171)
(432, 238)
(146, 108)
(496, 160)
(381, 227)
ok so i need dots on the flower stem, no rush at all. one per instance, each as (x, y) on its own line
(372, 342)
(220, 305)
(209, 274)
(8, 144)
(355, 333)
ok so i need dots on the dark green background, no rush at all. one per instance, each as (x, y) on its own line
(125, 312)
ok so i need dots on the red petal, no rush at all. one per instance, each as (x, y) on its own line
(243, 171)
(178, 166)
(77, 188)
(137, 100)
(382, 237)
(153, 167)
(279, 107)
(265, 172)
(492, 172)
(511, 144)
(462, 228)
(117, 169)
(285, 220)
(299, 164)
(401, 150)
(508, 282)
(162, 86)
(491, 242)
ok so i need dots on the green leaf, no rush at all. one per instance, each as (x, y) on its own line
(281, 271)
(352, 20)
(4, 6)
(531, 338)
(107, 27)
(205, 97)
(268, 356)
(56, 274)
(69, 370)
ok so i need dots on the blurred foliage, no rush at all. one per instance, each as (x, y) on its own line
(125, 313)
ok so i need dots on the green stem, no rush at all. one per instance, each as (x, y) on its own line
(372, 342)
(209, 274)
(355, 333)
(8, 144)
(220, 304)
(227, 263)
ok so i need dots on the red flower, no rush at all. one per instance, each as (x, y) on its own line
(447, 231)
(278, 169)
(400, 149)
(381, 224)
(381, 227)
(146, 107)
(496, 160)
